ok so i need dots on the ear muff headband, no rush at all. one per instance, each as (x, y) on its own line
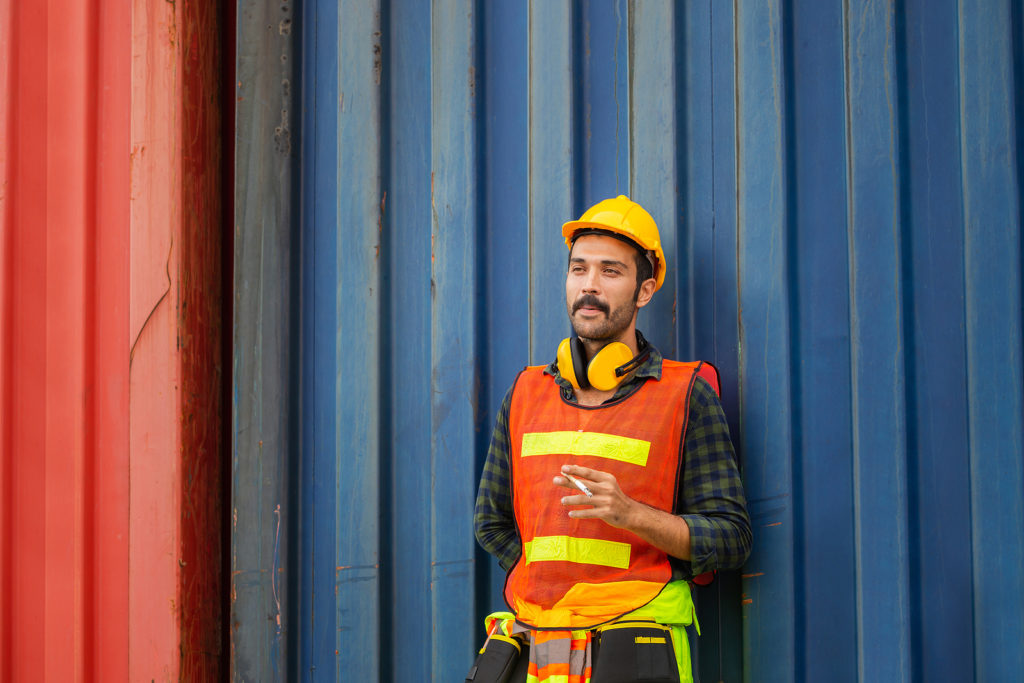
(579, 362)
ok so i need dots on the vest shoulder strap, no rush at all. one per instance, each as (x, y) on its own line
(705, 370)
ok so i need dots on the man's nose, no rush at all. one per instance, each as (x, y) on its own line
(590, 282)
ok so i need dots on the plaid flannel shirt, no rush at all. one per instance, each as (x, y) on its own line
(711, 499)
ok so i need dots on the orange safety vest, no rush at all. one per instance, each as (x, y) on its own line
(580, 573)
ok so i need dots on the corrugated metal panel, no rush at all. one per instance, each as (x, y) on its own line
(991, 39)
(877, 342)
(838, 187)
(265, 384)
(64, 564)
(111, 524)
(176, 355)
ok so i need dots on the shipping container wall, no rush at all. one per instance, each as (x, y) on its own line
(265, 398)
(838, 189)
(111, 457)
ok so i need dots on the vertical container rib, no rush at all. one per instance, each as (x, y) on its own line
(995, 380)
(453, 362)
(766, 374)
(878, 383)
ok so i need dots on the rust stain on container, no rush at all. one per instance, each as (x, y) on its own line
(199, 316)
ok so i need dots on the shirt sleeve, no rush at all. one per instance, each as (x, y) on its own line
(711, 497)
(493, 519)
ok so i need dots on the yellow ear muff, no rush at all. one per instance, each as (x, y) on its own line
(601, 371)
(566, 367)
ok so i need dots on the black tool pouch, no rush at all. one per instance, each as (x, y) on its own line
(496, 661)
(635, 652)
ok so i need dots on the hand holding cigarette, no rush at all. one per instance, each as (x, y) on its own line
(579, 484)
(603, 500)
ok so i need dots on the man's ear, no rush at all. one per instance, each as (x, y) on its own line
(646, 292)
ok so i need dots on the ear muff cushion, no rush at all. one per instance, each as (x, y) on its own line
(601, 372)
(566, 364)
(579, 365)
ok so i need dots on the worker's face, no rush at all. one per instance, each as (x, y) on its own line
(600, 289)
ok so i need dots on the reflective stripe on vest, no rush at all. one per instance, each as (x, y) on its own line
(607, 446)
(579, 573)
(577, 550)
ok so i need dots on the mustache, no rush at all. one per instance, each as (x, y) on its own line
(590, 300)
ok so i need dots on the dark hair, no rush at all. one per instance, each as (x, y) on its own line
(644, 264)
(644, 268)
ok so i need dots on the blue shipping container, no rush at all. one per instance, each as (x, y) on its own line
(838, 187)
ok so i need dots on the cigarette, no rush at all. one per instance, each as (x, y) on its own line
(579, 484)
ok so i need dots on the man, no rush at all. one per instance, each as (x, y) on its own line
(610, 482)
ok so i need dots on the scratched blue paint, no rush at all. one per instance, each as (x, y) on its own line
(838, 188)
(551, 168)
(602, 100)
(653, 171)
(264, 416)
(878, 377)
(354, 369)
(407, 250)
(504, 239)
(995, 410)
(318, 623)
(708, 300)
(454, 364)
(937, 405)
(766, 375)
(820, 340)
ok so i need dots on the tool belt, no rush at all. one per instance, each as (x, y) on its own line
(496, 661)
(626, 651)
(634, 652)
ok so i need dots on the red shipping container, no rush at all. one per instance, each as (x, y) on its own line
(110, 340)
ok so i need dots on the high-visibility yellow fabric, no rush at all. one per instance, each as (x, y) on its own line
(674, 605)
(674, 608)
(609, 446)
(578, 550)
(585, 604)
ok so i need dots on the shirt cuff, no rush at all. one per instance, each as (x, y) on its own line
(703, 550)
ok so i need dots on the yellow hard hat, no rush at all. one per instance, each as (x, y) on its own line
(625, 217)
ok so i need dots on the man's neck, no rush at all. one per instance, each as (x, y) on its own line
(592, 397)
(595, 397)
(628, 337)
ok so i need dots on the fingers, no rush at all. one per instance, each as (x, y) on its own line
(584, 507)
(578, 471)
(572, 481)
(577, 500)
(606, 501)
(587, 473)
